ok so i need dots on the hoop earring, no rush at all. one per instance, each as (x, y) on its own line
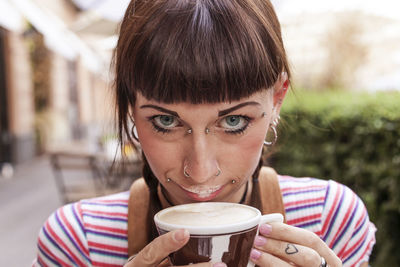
(134, 132)
(273, 126)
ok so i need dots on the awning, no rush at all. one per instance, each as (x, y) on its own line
(57, 36)
(10, 18)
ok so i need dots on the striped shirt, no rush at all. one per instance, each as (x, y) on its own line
(93, 232)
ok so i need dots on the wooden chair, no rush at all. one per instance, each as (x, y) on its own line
(78, 175)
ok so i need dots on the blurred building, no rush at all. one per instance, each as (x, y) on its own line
(54, 85)
(345, 49)
(349, 44)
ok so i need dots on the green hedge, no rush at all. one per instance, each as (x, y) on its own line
(353, 138)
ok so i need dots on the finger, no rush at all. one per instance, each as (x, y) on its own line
(292, 253)
(165, 263)
(155, 252)
(205, 264)
(264, 259)
(295, 235)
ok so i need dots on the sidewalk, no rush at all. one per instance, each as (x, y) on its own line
(26, 200)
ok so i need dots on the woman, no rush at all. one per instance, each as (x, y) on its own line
(198, 84)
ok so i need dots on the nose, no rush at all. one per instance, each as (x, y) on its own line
(200, 163)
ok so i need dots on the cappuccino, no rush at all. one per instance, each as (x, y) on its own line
(208, 214)
(219, 231)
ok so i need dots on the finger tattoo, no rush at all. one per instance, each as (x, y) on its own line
(291, 249)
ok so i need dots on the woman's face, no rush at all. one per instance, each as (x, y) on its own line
(173, 137)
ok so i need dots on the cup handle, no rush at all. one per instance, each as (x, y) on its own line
(267, 218)
(272, 217)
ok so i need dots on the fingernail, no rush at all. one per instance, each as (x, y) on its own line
(255, 254)
(265, 229)
(181, 235)
(219, 264)
(260, 241)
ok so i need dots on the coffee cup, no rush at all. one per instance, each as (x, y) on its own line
(219, 231)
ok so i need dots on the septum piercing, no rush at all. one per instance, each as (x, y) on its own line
(187, 175)
(185, 172)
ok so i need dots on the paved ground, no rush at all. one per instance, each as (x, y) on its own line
(31, 195)
(26, 201)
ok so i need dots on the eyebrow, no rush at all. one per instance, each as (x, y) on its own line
(229, 110)
(161, 109)
(220, 113)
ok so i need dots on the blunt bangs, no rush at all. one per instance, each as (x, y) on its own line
(198, 51)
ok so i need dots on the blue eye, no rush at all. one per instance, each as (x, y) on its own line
(234, 124)
(166, 120)
(232, 120)
(164, 123)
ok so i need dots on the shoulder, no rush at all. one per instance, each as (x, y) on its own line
(304, 200)
(62, 239)
(72, 234)
(334, 212)
(107, 207)
(346, 225)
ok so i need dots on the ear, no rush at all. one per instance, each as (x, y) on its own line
(280, 89)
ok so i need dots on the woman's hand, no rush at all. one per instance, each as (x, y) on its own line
(156, 253)
(279, 244)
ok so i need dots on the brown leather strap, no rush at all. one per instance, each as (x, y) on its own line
(271, 202)
(270, 192)
(137, 216)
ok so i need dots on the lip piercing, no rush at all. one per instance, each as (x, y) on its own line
(185, 172)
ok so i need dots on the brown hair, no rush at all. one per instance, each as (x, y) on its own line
(197, 51)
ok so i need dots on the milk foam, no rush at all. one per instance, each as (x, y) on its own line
(207, 214)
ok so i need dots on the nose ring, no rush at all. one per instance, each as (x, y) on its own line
(185, 172)
(218, 172)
